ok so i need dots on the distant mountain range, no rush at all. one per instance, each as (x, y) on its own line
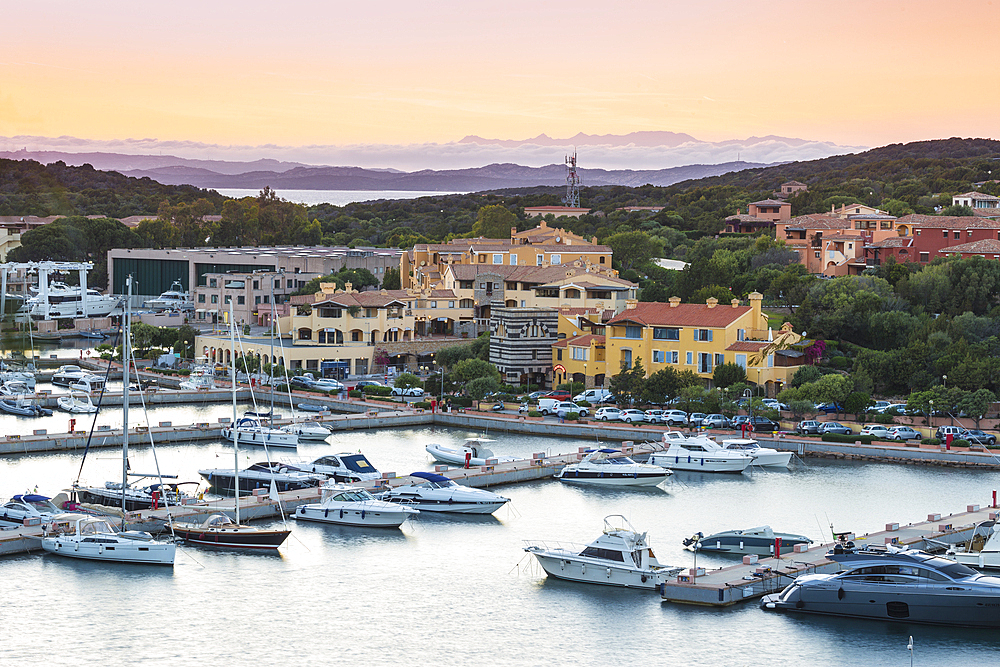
(640, 139)
(172, 170)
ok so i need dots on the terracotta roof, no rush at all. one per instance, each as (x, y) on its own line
(769, 202)
(793, 183)
(747, 346)
(683, 315)
(817, 221)
(986, 212)
(894, 242)
(604, 315)
(844, 237)
(371, 299)
(532, 274)
(982, 196)
(442, 294)
(556, 209)
(957, 222)
(980, 247)
(743, 217)
(580, 341)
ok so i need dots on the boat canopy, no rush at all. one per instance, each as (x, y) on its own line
(430, 477)
(357, 463)
(31, 498)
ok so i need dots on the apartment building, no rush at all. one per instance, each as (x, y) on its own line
(521, 342)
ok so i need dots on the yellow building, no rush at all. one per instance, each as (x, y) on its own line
(580, 359)
(700, 337)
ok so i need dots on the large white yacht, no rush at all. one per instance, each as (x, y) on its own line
(621, 556)
(347, 505)
(61, 301)
(96, 538)
(765, 457)
(610, 467)
(700, 454)
(436, 493)
(253, 432)
(175, 298)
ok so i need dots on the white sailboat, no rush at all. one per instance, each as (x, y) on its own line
(97, 538)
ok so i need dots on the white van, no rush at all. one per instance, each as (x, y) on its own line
(548, 406)
(594, 396)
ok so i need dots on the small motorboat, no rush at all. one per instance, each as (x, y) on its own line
(70, 375)
(26, 377)
(93, 335)
(175, 298)
(765, 457)
(436, 493)
(19, 403)
(982, 550)
(473, 452)
(890, 584)
(96, 538)
(310, 431)
(759, 541)
(202, 376)
(699, 454)
(312, 407)
(610, 467)
(259, 476)
(347, 505)
(218, 530)
(76, 403)
(340, 467)
(620, 556)
(29, 506)
(253, 432)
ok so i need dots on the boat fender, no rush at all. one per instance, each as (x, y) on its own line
(341, 512)
(799, 604)
(840, 594)
(583, 568)
(326, 512)
(643, 578)
(362, 515)
(609, 573)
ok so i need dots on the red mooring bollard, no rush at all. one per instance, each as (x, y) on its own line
(777, 547)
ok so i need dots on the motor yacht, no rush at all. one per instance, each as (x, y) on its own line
(29, 506)
(343, 467)
(175, 298)
(474, 451)
(202, 376)
(218, 530)
(982, 550)
(436, 493)
(21, 376)
(253, 432)
(620, 556)
(306, 431)
(700, 454)
(259, 476)
(347, 505)
(893, 584)
(610, 467)
(67, 376)
(759, 541)
(62, 301)
(96, 538)
(153, 496)
(765, 457)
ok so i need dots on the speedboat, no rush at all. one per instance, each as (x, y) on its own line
(259, 476)
(96, 538)
(312, 407)
(699, 454)
(982, 550)
(340, 467)
(610, 467)
(253, 432)
(77, 403)
(472, 452)
(134, 497)
(310, 431)
(347, 505)
(894, 585)
(621, 556)
(762, 456)
(758, 541)
(437, 493)
(67, 376)
(175, 298)
(29, 506)
(218, 530)
(202, 377)
(22, 376)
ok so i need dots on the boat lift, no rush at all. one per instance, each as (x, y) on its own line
(44, 269)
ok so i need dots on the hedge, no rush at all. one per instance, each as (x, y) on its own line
(354, 393)
(422, 404)
(535, 413)
(836, 437)
(462, 401)
(934, 442)
(584, 404)
(572, 416)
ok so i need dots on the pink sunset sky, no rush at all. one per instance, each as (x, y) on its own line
(393, 72)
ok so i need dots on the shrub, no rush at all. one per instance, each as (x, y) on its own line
(959, 443)
(383, 391)
(836, 437)
(370, 388)
(583, 404)
(572, 416)
(933, 442)
(534, 413)
(422, 404)
(840, 363)
(882, 419)
(462, 401)
(354, 393)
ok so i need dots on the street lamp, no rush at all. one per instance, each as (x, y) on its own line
(945, 378)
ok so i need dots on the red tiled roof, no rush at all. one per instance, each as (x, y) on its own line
(683, 315)
(894, 242)
(769, 202)
(580, 341)
(747, 346)
(370, 299)
(980, 247)
(817, 221)
(957, 222)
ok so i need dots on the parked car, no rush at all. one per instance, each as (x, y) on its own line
(808, 427)
(715, 421)
(300, 382)
(593, 396)
(738, 421)
(547, 406)
(834, 427)
(773, 404)
(696, 418)
(880, 406)
(876, 430)
(325, 384)
(675, 417)
(632, 415)
(566, 407)
(979, 437)
(367, 383)
(655, 417)
(763, 424)
(535, 395)
(608, 413)
(560, 394)
(407, 391)
(904, 433)
(829, 407)
(943, 432)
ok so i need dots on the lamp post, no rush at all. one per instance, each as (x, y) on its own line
(945, 378)
(931, 416)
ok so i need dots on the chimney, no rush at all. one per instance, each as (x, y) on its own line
(711, 302)
(674, 301)
(543, 224)
(757, 317)
(347, 287)
(736, 303)
(513, 232)
(630, 304)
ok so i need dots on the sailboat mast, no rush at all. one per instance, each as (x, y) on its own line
(236, 430)
(125, 362)
(271, 374)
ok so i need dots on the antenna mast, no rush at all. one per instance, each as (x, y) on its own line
(572, 198)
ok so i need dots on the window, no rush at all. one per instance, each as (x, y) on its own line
(690, 358)
(663, 333)
(741, 361)
(659, 356)
(925, 257)
(255, 284)
(720, 359)
(513, 259)
(451, 304)
(511, 286)
(213, 282)
(741, 334)
(559, 355)
(466, 284)
(215, 298)
(434, 304)
(946, 233)
(356, 336)
(539, 259)
(522, 303)
(581, 353)
(482, 285)
(918, 232)
(482, 259)
(497, 258)
(703, 335)
(555, 260)
(241, 300)
(602, 259)
(632, 331)
(770, 361)
(704, 362)
(534, 355)
(201, 298)
(958, 236)
(256, 300)
(572, 294)
(267, 299)
(466, 303)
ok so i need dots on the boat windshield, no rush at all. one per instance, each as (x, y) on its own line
(358, 496)
(620, 461)
(603, 554)
(950, 568)
(94, 526)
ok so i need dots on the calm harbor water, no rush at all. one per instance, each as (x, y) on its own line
(335, 197)
(460, 590)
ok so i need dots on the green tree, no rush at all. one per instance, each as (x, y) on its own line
(480, 386)
(957, 210)
(728, 374)
(977, 403)
(468, 370)
(494, 222)
(628, 385)
(661, 386)
(633, 249)
(407, 381)
(390, 280)
(805, 374)
(857, 403)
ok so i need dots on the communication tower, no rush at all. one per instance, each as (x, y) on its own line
(572, 198)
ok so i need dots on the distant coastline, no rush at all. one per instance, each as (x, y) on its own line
(335, 197)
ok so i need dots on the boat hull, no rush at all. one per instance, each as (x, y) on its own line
(273, 438)
(452, 507)
(611, 479)
(589, 572)
(699, 463)
(775, 460)
(749, 545)
(224, 484)
(230, 538)
(132, 551)
(380, 517)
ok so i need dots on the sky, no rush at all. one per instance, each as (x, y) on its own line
(404, 73)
